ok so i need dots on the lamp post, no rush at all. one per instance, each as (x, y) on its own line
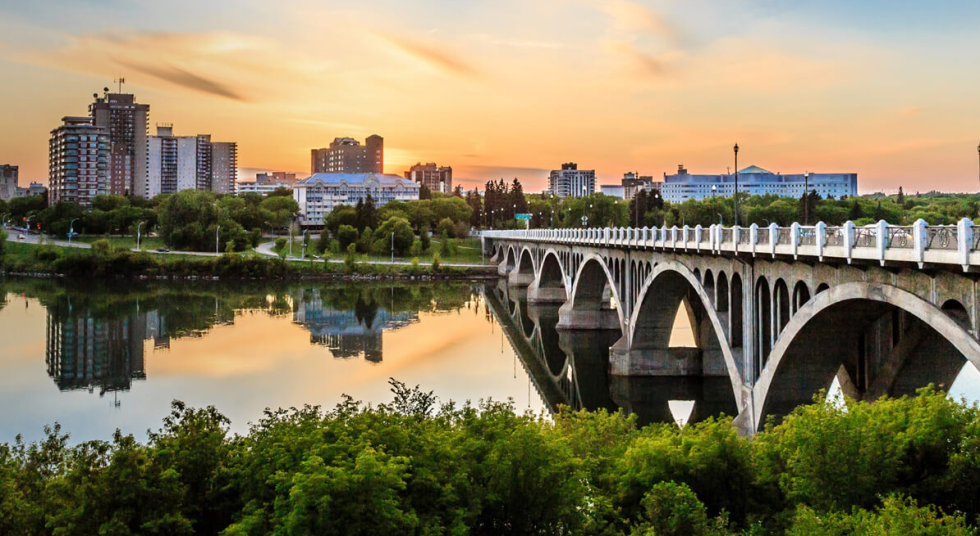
(393, 247)
(714, 190)
(28, 225)
(71, 231)
(735, 196)
(303, 254)
(721, 221)
(137, 235)
(216, 229)
(806, 197)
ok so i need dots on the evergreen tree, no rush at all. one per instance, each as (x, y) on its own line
(424, 192)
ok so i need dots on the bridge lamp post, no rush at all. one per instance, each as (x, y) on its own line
(735, 197)
(721, 221)
(806, 197)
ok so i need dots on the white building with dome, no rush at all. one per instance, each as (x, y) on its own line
(754, 180)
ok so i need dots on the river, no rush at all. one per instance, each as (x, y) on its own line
(101, 356)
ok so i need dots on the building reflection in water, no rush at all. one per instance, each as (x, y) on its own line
(85, 351)
(350, 333)
(571, 368)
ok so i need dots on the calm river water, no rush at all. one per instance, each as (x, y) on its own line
(96, 358)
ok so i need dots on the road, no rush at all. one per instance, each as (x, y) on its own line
(35, 239)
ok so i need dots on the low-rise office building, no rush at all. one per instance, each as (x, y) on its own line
(320, 193)
(435, 178)
(754, 180)
(634, 182)
(8, 181)
(261, 188)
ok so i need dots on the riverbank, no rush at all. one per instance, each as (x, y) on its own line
(905, 466)
(59, 261)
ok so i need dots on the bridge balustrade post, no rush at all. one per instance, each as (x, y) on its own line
(753, 237)
(686, 236)
(736, 237)
(646, 236)
(881, 240)
(821, 238)
(964, 238)
(673, 238)
(773, 236)
(849, 234)
(697, 236)
(795, 239)
(919, 241)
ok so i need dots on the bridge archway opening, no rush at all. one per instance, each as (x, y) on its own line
(526, 265)
(723, 290)
(552, 275)
(676, 349)
(511, 261)
(781, 307)
(871, 346)
(762, 325)
(955, 310)
(697, 274)
(595, 303)
(822, 287)
(736, 315)
(801, 295)
(709, 286)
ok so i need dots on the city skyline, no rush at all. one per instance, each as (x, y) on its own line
(508, 89)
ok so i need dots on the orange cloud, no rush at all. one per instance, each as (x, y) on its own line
(431, 55)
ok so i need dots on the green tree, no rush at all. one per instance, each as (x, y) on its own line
(346, 235)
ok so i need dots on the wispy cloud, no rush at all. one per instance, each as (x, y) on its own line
(182, 77)
(632, 17)
(433, 56)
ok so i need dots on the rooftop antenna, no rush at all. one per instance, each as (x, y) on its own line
(120, 81)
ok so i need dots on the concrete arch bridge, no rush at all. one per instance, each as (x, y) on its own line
(779, 313)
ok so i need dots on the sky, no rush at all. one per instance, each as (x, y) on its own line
(514, 88)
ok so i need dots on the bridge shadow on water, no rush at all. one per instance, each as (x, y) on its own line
(571, 368)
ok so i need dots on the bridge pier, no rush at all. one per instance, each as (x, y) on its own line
(516, 278)
(570, 318)
(547, 294)
(626, 361)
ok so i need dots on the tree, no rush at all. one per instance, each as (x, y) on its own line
(424, 192)
(281, 210)
(346, 235)
(403, 235)
(340, 215)
(367, 214)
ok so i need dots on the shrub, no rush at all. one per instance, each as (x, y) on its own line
(346, 235)
(446, 228)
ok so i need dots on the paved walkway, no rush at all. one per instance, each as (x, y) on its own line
(266, 249)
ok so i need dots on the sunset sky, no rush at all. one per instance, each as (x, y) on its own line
(506, 88)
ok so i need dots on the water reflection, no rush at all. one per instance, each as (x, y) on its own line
(244, 347)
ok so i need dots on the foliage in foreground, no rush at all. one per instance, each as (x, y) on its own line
(906, 466)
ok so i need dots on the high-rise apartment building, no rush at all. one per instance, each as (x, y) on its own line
(127, 123)
(570, 181)
(433, 177)
(347, 155)
(78, 162)
(224, 167)
(190, 163)
(8, 182)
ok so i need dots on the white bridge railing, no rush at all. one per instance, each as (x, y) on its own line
(917, 243)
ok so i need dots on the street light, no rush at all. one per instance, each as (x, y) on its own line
(714, 190)
(303, 254)
(393, 247)
(806, 197)
(735, 197)
(71, 229)
(218, 228)
(137, 235)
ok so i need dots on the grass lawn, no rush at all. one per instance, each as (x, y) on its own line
(467, 251)
(126, 242)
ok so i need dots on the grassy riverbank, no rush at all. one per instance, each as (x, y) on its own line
(907, 467)
(117, 262)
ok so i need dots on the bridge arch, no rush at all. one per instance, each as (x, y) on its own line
(550, 284)
(670, 284)
(828, 337)
(593, 289)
